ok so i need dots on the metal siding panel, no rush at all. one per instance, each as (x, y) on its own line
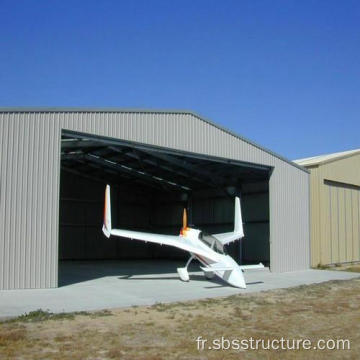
(348, 224)
(344, 170)
(1, 195)
(358, 221)
(342, 227)
(344, 241)
(37, 196)
(10, 206)
(356, 226)
(325, 226)
(45, 203)
(4, 126)
(23, 218)
(337, 220)
(333, 225)
(315, 216)
(289, 220)
(53, 191)
(40, 201)
(18, 195)
(36, 189)
(342, 210)
(28, 221)
(27, 202)
(48, 144)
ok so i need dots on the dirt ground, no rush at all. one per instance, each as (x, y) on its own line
(322, 311)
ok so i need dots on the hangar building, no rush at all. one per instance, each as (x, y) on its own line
(55, 162)
(335, 207)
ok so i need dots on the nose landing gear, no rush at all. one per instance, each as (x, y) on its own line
(183, 272)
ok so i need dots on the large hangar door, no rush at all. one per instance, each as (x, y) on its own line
(342, 223)
(150, 187)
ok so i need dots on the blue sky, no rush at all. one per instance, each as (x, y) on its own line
(285, 74)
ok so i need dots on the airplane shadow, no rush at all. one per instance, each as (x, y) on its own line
(193, 277)
(226, 285)
(131, 277)
(72, 272)
(255, 283)
(216, 286)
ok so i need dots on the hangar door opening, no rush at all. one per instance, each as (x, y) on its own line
(150, 188)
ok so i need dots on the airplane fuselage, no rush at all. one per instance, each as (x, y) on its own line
(216, 260)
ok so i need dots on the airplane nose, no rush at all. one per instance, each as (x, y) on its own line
(236, 279)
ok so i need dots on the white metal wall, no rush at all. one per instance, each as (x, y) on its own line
(29, 183)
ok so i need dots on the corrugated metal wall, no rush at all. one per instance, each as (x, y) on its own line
(342, 229)
(335, 209)
(30, 167)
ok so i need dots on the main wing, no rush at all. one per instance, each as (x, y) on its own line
(179, 242)
(238, 232)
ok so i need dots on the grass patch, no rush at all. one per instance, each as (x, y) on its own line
(44, 315)
(13, 335)
(323, 267)
(355, 269)
(327, 310)
(97, 314)
(161, 307)
(338, 266)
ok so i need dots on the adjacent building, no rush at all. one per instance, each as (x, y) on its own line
(335, 207)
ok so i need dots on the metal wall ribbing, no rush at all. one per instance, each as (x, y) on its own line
(335, 210)
(30, 143)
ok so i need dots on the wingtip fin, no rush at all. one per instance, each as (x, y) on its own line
(238, 223)
(107, 213)
(106, 231)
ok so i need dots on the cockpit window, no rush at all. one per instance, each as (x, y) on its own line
(211, 242)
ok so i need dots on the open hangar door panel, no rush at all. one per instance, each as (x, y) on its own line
(150, 188)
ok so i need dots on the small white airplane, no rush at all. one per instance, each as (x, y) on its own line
(208, 249)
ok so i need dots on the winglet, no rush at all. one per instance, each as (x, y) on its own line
(107, 213)
(238, 224)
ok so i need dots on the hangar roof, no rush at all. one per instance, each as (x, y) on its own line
(323, 159)
(170, 111)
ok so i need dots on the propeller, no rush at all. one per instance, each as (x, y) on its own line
(184, 227)
(184, 219)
